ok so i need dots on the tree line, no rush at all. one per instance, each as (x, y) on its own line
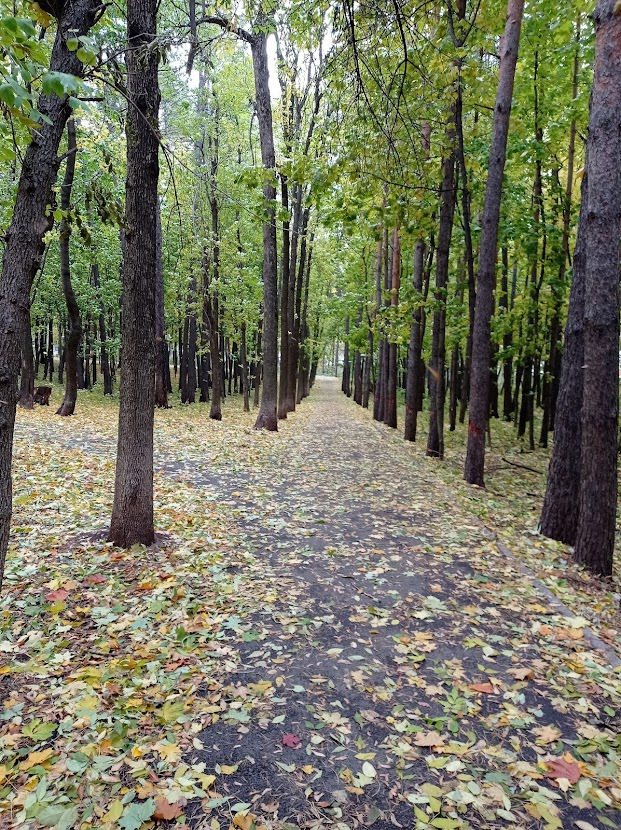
(202, 199)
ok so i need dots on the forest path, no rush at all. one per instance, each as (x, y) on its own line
(335, 638)
(410, 662)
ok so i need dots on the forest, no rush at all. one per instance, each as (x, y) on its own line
(309, 414)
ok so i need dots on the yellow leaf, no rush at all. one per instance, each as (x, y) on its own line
(36, 758)
(115, 811)
(227, 770)
(308, 768)
(169, 752)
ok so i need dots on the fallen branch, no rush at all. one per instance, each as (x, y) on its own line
(522, 466)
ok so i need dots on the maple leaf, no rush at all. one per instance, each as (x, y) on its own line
(165, 811)
(57, 596)
(522, 673)
(431, 739)
(483, 688)
(291, 741)
(565, 767)
(95, 579)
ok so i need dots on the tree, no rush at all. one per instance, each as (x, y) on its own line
(24, 238)
(72, 342)
(474, 471)
(595, 538)
(132, 512)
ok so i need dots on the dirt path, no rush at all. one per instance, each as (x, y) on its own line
(400, 673)
(400, 640)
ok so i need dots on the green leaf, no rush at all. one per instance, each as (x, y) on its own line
(136, 814)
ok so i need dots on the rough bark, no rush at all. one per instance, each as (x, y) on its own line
(390, 413)
(161, 346)
(435, 438)
(24, 237)
(415, 378)
(74, 335)
(27, 380)
(132, 512)
(595, 538)
(103, 334)
(267, 417)
(559, 517)
(284, 300)
(474, 471)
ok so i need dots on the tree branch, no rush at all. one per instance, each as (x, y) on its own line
(228, 25)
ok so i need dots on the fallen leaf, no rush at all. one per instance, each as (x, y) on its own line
(565, 767)
(164, 811)
(291, 741)
(432, 738)
(483, 688)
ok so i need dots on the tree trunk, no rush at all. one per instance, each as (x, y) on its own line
(507, 340)
(27, 380)
(345, 381)
(390, 413)
(558, 292)
(559, 517)
(24, 237)
(258, 373)
(267, 417)
(435, 438)
(284, 300)
(415, 378)
(132, 512)
(377, 390)
(161, 346)
(103, 335)
(595, 538)
(244, 369)
(474, 471)
(67, 407)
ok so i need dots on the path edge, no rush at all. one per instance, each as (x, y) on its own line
(596, 643)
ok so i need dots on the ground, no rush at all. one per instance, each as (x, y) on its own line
(324, 635)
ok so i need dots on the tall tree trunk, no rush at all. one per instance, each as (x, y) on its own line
(558, 292)
(390, 414)
(103, 334)
(559, 517)
(377, 390)
(244, 369)
(346, 380)
(24, 237)
(61, 352)
(474, 471)
(267, 417)
(435, 438)
(304, 331)
(507, 340)
(415, 378)
(284, 300)
(465, 209)
(132, 512)
(27, 380)
(67, 407)
(294, 344)
(50, 349)
(258, 372)
(595, 538)
(161, 346)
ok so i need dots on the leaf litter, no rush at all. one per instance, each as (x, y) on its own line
(321, 637)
